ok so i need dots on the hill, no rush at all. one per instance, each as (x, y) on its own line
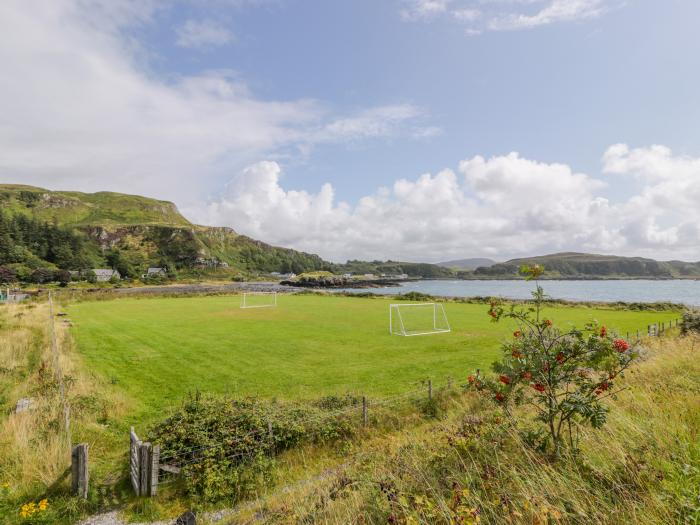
(412, 269)
(74, 230)
(467, 264)
(71, 230)
(570, 265)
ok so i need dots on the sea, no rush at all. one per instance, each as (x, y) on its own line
(632, 291)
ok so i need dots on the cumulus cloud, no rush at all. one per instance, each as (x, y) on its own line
(202, 34)
(81, 108)
(501, 206)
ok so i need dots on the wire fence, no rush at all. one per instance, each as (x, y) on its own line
(58, 373)
(173, 464)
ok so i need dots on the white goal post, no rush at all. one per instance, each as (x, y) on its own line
(417, 319)
(258, 299)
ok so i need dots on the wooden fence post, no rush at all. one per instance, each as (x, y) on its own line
(135, 462)
(430, 390)
(144, 471)
(365, 417)
(79, 470)
(154, 467)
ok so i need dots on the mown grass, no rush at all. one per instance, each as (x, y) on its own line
(157, 350)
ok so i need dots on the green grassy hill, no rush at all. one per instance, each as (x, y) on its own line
(131, 233)
(73, 208)
(571, 265)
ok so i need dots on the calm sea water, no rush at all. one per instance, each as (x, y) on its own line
(676, 291)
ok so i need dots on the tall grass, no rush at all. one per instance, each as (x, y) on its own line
(642, 468)
(35, 444)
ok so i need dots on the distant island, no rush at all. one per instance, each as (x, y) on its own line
(467, 264)
(572, 265)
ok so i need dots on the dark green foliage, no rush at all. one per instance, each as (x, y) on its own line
(691, 323)
(42, 275)
(415, 296)
(24, 240)
(424, 270)
(227, 446)
(7, 275)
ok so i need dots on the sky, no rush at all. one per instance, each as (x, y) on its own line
(421, 130)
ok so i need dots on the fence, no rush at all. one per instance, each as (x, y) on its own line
(144, 460)
(164, 468)
(149, 468)
(58, 372)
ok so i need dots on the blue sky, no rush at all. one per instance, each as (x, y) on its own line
(355, 129)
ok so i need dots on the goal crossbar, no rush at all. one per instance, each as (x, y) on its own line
(434, 322)
(247, 300)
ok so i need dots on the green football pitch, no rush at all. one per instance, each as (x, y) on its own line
(156, 350)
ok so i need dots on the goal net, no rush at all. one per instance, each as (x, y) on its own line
(417, 319)
(258, 299)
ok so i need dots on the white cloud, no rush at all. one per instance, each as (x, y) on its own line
(555, 11)
(502, 206)
(417, 9)
(202, 34)
(81, 108)
(507, 15)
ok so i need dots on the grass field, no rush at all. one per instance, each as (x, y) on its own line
(157, 350)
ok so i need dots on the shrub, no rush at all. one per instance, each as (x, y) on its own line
(228, 445)
(415, 296)
(7, 275)
(42, 275)
(563, 375)
(691, 323)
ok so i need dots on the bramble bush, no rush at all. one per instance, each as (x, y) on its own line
(227, 446)
(563, 375)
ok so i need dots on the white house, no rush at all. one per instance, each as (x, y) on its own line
(104, 274)
(155, 272)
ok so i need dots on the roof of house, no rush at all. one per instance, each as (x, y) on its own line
(156, 270)
(104, 271)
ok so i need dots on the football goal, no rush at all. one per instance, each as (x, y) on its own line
(258, 299)
(417, 319)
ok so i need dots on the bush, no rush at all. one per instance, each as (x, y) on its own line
(562, 375)
(42, 275)
(415, 296)
(228, 445)
(7, 275)
(691, 323)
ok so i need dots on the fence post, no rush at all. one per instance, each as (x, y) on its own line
(430, 390)
(638, 335)
(365, 418)
(144, 471)
(154, 467)
(79, 470)
(135, 461)
(449, 383)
